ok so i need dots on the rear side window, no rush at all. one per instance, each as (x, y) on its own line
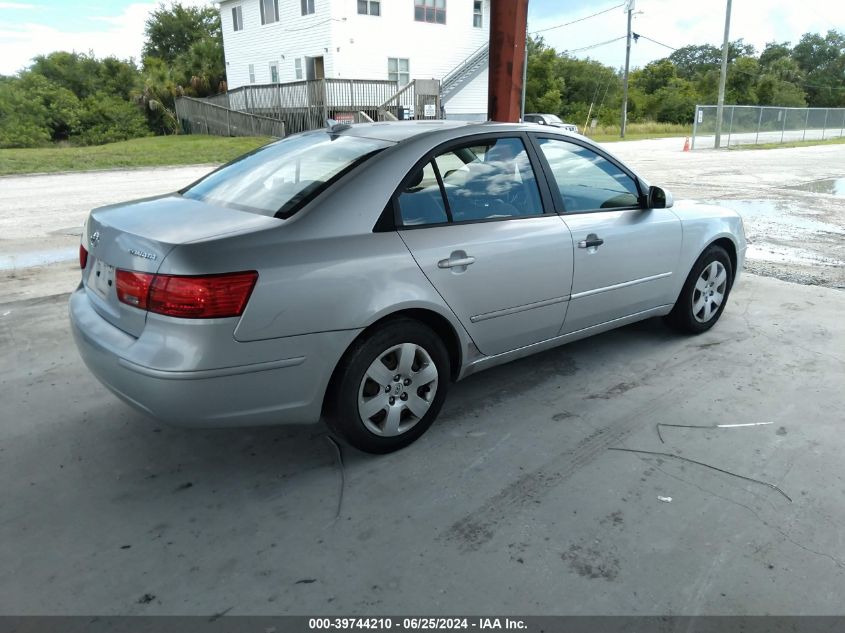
(278, 179)
(586, 180)
(487, 180)
(421, 200)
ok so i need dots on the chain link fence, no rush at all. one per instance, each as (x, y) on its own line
(757, 125)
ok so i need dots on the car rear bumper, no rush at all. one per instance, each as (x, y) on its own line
(287, 389)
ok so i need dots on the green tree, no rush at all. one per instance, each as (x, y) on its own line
(822, 60)
(589, 82)
(654, 76)
(158, 94)
(106, 118)
(189, 40)
(171, 30)
(741, 81)
(675, 103)
(543, 85)
(35, 111)
(773, 52)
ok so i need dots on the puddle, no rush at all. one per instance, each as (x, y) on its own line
(778, 218)
(31, 259)
(832, 186)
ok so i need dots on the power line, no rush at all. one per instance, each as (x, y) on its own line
(558, 26)
(586, 48)
(640, 35)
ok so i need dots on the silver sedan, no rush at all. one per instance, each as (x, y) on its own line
(353, 273)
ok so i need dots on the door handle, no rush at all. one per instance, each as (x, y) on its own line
(454, 263)
(591, 241)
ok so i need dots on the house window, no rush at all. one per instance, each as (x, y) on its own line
(297, 67)
(433, 11)
(477, 21)
(307, 7)
(252, 73)
(269, 11)
(369, 7)
(274, 72)
(237, 18)
(398, 70)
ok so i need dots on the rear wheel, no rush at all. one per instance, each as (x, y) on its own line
(705, 293)
(389, 387)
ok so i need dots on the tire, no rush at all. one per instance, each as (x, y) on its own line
(373, 411)
(707, 287)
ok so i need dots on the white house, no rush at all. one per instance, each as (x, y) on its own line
(269, 41)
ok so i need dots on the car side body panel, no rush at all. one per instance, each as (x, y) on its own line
(630, 272)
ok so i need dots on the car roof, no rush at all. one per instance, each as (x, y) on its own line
(397, 131)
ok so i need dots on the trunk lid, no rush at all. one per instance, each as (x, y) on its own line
(138, 235)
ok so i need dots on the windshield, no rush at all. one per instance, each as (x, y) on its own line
(278, 179)
(551, 118)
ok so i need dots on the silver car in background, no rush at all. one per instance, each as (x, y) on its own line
(353, 273)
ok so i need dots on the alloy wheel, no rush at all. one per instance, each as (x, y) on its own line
(397, 390)
(709, 291)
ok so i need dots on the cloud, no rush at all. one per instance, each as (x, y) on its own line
(121, 35)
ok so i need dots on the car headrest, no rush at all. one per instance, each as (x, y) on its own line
(416, 179)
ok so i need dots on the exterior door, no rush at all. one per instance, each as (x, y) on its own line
(473, 219)
(624, 256)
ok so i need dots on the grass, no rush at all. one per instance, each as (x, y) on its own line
(829, 141)
(151, 151)
(639, 131)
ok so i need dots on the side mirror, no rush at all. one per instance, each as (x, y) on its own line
(659, 198)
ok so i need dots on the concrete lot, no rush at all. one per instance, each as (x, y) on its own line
(512, 501)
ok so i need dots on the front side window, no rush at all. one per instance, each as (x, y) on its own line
(433, 11)
(398, 70)
(477, 19)
(269, 11)
(484, 180)
(237, 18)
(587, 181)
(297, 67)
(279, 178)
(307, 7)
(369, 7)
(274, 72)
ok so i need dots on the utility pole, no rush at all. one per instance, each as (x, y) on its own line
(508, 21)
(720, 104)
(630, 10)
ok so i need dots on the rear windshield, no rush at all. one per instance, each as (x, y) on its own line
(278, 179)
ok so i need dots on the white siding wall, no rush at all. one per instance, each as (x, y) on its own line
(357, 46)
(470, 100)
(294, 35)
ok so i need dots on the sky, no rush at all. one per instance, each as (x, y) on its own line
(116, 27)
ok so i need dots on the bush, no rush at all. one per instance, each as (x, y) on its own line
(107, 118)
(35, 110)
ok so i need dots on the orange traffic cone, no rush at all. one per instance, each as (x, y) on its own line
(686, 144)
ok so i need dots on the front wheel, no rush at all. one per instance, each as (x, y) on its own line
(705, 293)
(389, 387)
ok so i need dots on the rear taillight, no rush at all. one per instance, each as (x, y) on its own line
(202, 297)
(133, 288)
(83, 257)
